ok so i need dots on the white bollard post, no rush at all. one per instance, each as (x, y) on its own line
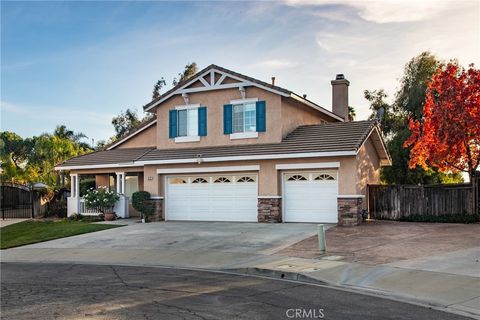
(322, 246)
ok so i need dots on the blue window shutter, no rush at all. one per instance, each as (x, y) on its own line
(202, 121)
(227, 119)
(172, 126)
(261, 116)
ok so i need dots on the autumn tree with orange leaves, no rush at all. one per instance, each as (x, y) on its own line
(448, 135)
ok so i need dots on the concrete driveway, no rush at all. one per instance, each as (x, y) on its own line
(191, 236)
(217, 245)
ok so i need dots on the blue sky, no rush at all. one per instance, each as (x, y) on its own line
(80, 63)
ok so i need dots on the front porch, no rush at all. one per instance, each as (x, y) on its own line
(124, 184)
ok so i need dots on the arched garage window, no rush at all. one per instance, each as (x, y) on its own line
(297, 177)
(222, 180)
(177, 181)
(246, 179)
(324, 176)
(200, 180)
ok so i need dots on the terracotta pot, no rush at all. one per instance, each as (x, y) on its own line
(109, 216)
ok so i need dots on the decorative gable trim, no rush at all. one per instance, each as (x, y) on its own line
(212, 85)
(207, 76)
(119, 142)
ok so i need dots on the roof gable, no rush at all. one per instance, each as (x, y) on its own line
(215, 77)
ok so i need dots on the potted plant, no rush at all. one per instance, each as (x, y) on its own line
(141, 202)
(102, 199)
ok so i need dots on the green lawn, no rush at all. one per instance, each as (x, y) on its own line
(27, 232)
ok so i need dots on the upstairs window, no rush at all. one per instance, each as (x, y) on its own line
(244, 118)
(187, 123)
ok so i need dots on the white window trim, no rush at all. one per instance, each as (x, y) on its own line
(187, 106)
(242, 101)
(244, 135)
(187, 139)
(209, 169)
(350, 196)
(183, 139)
(319, 165)
(269, 197)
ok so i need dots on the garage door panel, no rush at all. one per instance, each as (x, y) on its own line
(221, 199)
(309, 200)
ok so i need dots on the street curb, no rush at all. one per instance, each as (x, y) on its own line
(288, 276)
(304, 278)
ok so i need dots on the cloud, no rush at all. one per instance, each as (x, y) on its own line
(40, 118)
(276, 64)
(10, 107)
(379, 11)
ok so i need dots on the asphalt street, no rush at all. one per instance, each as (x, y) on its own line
(74, 291)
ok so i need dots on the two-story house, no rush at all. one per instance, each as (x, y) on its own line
(223, 146)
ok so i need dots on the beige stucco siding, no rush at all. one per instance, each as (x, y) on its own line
(107, 170)
(145, 138)
(102, 180)
(355, 172)
(270, 182)
(367, 167)
(214, 101)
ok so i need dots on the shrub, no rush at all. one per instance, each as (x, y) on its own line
(83, 218)
(86, 184)
(447, 218)
(141, 202)
(76, 217)
(101, 199)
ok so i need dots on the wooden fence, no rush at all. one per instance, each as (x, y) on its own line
(394, 202)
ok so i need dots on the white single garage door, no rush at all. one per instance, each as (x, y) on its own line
(311, 197)
(212, 198)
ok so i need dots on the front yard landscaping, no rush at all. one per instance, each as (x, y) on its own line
(28, 232)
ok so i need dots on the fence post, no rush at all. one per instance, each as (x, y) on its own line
(32, 215)
(475, 194)
(3, 202)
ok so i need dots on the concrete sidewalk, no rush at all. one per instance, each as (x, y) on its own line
(9, 221)
(446, 291)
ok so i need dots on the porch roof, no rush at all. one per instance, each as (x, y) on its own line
(327, 139)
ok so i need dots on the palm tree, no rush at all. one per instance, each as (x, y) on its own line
(351, 113)
(63, 132)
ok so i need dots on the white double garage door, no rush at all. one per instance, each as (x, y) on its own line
(307, 197)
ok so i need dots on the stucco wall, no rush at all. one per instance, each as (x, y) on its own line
(146, 138)
(214, 101)
(270, 182)
(367, 167)
(295, 114)
(102, 180)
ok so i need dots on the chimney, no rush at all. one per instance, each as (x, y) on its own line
(273, 81)
(340, 96)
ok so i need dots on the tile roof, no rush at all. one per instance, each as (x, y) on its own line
(326, 137)
(114, 156)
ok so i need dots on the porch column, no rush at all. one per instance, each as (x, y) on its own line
(121, 207)
(120, 186)
(75, 185)
(73, 202)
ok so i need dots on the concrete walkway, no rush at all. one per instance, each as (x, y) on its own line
(7, 222)
(441, 282)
